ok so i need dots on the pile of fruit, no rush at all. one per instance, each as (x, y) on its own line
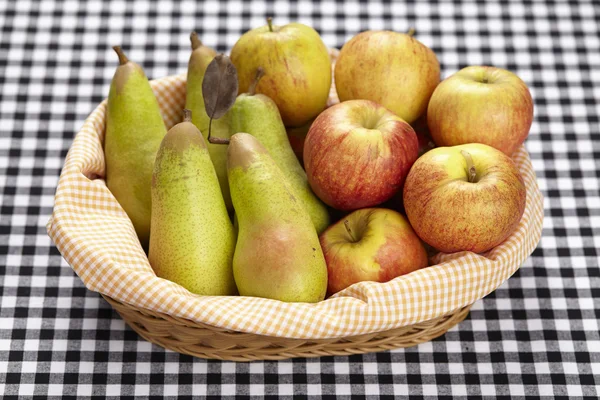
(267, 190)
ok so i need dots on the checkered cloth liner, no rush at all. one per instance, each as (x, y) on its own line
(97, 239)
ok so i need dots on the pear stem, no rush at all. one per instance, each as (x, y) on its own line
(411, 31)
(196, 42)
(270, 24)
(122, 57)
(471, 171)
(187, 115)
(260, 72)
(347, 225)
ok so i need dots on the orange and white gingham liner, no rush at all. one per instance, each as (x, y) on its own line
(97, 239)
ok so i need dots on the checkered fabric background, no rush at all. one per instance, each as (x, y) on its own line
(536, 335)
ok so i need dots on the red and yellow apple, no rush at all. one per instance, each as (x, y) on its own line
(296, 64)
(464, 198)
(389, 68)
(485, 105)
(372, 244)
(357, 154)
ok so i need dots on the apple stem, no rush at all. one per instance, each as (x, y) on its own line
(411, 31)
(122, 57)
(260, 72)
(270, 24)
(347, 225)
(471, 171)
(187, 115)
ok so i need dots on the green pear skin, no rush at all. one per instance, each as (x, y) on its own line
(277, 255)
(134, 130)
(192, 239)
(258, 115)
(199, 59)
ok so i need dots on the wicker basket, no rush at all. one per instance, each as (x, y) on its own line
(97, 239)
(205, 341)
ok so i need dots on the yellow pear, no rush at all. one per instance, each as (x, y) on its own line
(277, 255)
(134, 130)
(258, 115)
(199, 59)
(192, 239)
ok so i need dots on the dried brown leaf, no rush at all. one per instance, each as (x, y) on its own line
(220, 86)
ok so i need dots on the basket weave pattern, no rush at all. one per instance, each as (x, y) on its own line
(97, 239)
(205, 341)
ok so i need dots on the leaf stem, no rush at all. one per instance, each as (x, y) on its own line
(216, 140)
(212, 139)
(411, 31)
(270, 24)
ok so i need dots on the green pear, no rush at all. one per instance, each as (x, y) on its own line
(134, 130)
(192, 239)
(277, 255)
(200, 58)
(258, 115)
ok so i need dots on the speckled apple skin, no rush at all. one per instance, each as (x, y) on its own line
(452, 214)
(297, 69)
(393, 69)
(464, 109)
(350, 166)
(383, 247)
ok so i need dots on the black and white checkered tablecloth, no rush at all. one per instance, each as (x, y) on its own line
(537, 335)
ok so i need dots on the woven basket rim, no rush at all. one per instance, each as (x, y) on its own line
(198, 340)
(92, 135)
